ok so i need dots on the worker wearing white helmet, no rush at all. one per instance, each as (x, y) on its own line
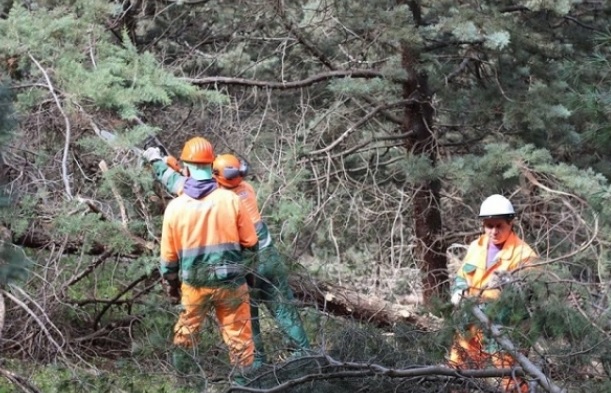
(499, 250)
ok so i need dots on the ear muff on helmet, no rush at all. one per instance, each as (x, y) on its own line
(229, 169)
(231, 173)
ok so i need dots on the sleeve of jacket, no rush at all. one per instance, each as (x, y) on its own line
(246, 229)
(460, 281)
(169, 265)
(168, 177)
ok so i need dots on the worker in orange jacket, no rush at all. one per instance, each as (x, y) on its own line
(270, 286)
(499, 250)
(206, 231)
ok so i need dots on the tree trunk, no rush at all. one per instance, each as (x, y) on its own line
(418, 122)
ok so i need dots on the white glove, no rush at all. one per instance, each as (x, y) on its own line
(152, 154)
(456, 298)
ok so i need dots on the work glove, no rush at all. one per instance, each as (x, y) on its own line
(457, 298)
(172, 289)
(152, 154)
(499, 279)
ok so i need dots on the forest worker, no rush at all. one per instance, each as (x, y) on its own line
(497, 252)
(205, 234)
(271, 286)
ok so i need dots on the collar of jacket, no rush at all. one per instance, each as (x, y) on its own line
(508, 249)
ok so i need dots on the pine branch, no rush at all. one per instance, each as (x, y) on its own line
(507, 345)
(223, 80)
(324, 59)
(301, 38)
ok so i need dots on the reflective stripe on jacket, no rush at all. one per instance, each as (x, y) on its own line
(204, 238)
(473, 275)
(169, 178)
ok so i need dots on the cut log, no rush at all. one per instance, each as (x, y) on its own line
(345, 302)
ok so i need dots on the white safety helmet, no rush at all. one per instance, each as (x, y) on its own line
(496, 206)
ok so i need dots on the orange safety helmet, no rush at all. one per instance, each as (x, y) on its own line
(229, 170)
(198, 151)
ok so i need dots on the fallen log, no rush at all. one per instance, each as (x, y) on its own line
(37, 237)
(324, 296)
(345, 302)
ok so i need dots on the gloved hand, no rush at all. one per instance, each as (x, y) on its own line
(499, 279)
(152, 154)
(172, 289)
(457, 298)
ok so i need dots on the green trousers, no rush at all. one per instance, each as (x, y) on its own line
(271, 289)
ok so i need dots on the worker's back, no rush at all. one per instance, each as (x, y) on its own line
(207, 235)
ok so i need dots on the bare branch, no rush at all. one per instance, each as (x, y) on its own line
(19, 381)
(580, 23)
(78, 277)
(362, 370)
(68, 128)
(363, 120)
(117, 297)
(40, 323)
(223, 80)
(507, 345)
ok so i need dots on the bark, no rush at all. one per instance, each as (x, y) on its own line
(345, 302)
(418, 124)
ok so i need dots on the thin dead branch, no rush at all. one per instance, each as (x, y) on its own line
(222, 80)
(104, 168)
(20, 382)
(65, 174)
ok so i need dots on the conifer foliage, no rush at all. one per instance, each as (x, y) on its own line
(374, 130)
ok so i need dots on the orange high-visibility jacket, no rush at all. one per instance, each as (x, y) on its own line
(204, 239)
(248, 196)
(473, 276)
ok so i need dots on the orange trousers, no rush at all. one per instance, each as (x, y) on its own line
(232, 307)
(468, 353)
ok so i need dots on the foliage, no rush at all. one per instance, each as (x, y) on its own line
(520, 100)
